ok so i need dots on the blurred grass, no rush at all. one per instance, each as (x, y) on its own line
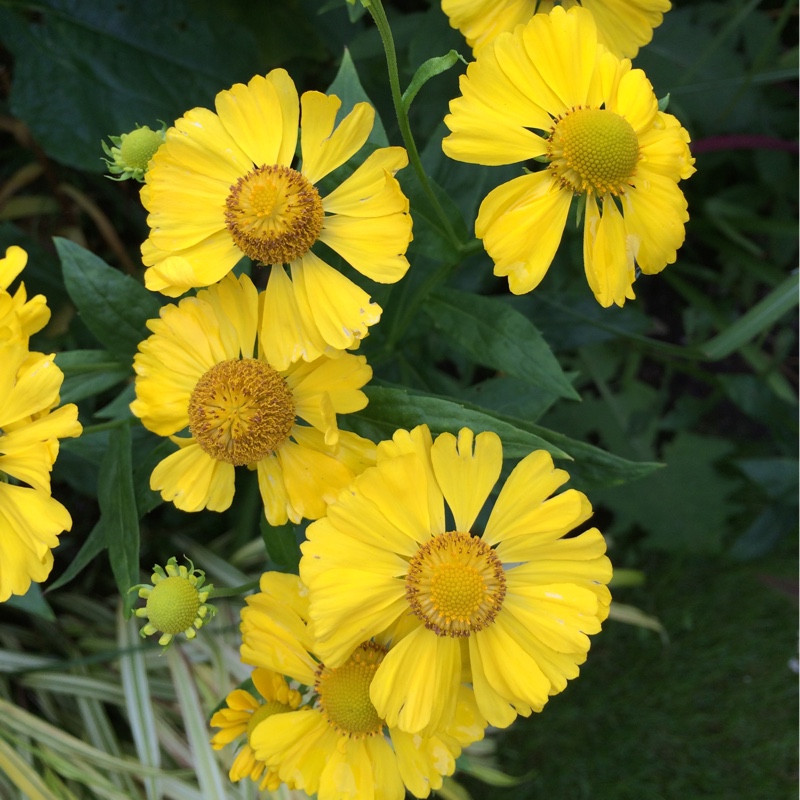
(711, 714)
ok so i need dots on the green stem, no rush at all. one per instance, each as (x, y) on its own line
(234, 591)
(375, 8)
(107, 426)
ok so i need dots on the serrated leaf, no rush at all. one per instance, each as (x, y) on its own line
(118, 513)
(498, 336)
(114, 306)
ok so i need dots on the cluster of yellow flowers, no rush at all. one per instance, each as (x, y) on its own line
(30, 426)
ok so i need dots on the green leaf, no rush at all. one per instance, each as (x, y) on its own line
(390, 409)
(114, 306)
(95, 543)
(118, 511)
(32, 602)
(496, 335)
(89, 372)
(347, 87)
(282, 547)
(431, 68)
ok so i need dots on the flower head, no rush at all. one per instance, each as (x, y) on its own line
(204, 370)
(226, 185)
(550, 92)
(337, 744)
(176, 602)
(30, 427)
(513, 606)
(623, 26)
(244, 712)
(132, 152)
(20, 318)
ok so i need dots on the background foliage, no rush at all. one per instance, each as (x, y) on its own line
(699, 374)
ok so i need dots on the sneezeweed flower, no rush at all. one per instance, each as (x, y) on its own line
(30, 427)
(513, 606)
(242, 714)
(203, 369)
(337, 745)
(20, 318)
(132, 152)
(623, 26)
(550, 92)
(223, 186)
(176, 602)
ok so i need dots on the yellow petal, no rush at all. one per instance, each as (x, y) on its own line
(11, 265)
(521, 223)
(341, 379)
(375, 246)
(33, 388)
(416, 685)
(342, 312)
(193, 480)
(624, 26)
(323, 147)
(636, 100)
(607, 254)
(422, 761)
(497, 710)
(385, 771)
(235, 301)
(467, 478)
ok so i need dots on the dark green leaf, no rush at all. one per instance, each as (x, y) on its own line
(32, 602)
(95, 543)
(118, 513)
(282, 546)
(431, 68)
(89, 372)
(114, 306)
(496, 335)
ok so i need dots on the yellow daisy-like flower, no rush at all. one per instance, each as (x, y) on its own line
(176, 602)
(223, 186)
(20, 318)
(623, 26)
(337, 745)
(203, 369)
(514, 605)
(30, 427)
(550, 92)
(243, 713)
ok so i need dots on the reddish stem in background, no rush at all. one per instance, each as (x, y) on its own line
(742, 141)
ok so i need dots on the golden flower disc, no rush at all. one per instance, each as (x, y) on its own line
(240, 411)
(274, 214)
(344, 692)
(455, 584)
(592, 150)
(268, 709)
(172, 605)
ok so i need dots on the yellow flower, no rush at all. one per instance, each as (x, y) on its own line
(30, 519)
(513, 606)
(602, 138)
(202, 368)
(222, 186)
(19, 317)
(243, 713)
(337, 745)
(623, 26)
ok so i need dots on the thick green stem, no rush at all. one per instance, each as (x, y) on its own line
(375, 8)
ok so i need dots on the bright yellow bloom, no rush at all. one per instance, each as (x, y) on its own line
(513, 605)
(549, 92)
(623, 26)
(30, 519)
(203, 369)
(223, 186)
(337, 745)
(20, 318)
(241, 716)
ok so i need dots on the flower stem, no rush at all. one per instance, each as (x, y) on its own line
(378, 14)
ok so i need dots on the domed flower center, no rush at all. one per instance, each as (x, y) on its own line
(139, 146)
(455, 584)
(173, 604)
(269, 708)
(241, 411)
(274, 214)
(344, 692)
(592, 150)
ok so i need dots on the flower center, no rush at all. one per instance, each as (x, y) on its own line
(172, 605)
(455, 584)
(592, 150)
(262, 712)
(344, 692)
(240, 411)
(274, 214)
(139, 146)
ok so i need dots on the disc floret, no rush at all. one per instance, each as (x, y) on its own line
(176, 602)
(131, 152)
